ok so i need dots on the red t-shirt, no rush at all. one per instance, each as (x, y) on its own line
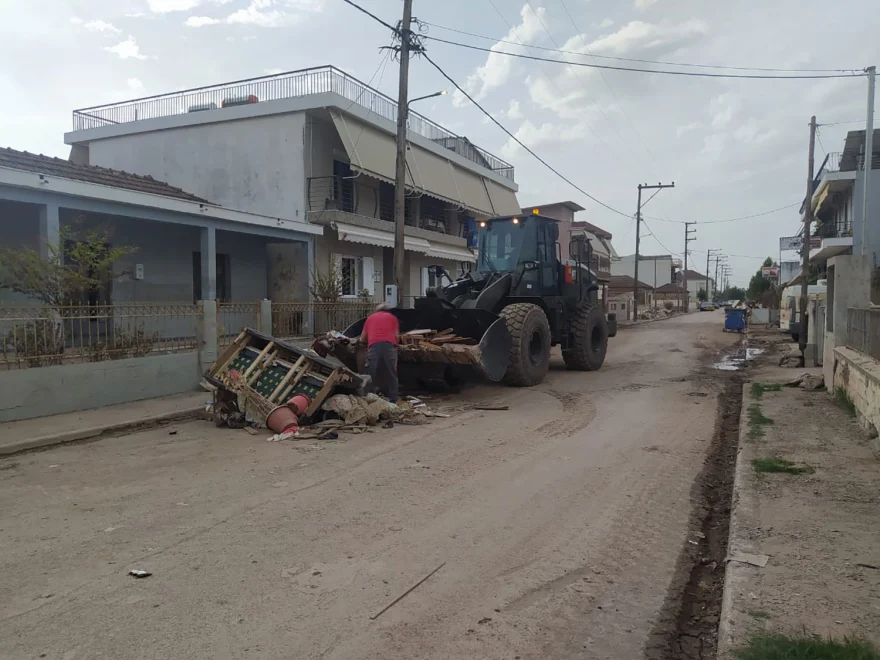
(381, 326)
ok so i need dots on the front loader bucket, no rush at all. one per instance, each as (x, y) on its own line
(490, 353)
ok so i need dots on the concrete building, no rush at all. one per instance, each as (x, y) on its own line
(655, 270)
(314, 146)
(622, 285)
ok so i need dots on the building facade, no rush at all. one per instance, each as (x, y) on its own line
(314, 146)
(655, 270)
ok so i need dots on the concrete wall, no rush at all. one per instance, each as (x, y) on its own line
(254, 164)
(20, 230)
(653, 272)
(849, 285)
(28, 393)
(859, 375)
(873, 245)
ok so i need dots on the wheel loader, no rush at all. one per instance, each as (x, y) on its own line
(521, 299)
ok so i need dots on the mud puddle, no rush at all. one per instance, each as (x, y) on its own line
(738, 359)
(687, 626)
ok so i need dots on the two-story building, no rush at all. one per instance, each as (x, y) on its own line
(655, 270)
(314, 147)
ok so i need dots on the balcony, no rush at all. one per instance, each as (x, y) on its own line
(293, 84)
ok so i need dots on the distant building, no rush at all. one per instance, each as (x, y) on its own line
(655, 270)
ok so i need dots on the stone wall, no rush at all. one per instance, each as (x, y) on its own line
(859, 375)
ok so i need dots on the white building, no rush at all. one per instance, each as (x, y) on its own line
(314, 147)
(654, 270)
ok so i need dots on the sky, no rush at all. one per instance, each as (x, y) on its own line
(733, 147)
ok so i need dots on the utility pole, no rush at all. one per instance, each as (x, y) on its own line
(400, 171)
(805, 249)
(709, 295)
(869, 156)
(642, 186)
(717, 259)
(688, 238)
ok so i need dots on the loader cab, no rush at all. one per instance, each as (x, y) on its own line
(527, 247)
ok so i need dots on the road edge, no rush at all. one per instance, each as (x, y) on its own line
(119, 428)
(741, 504)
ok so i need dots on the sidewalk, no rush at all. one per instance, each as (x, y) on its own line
(58, 429)
(810, 506)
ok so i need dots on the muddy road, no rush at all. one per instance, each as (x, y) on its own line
(559, 523)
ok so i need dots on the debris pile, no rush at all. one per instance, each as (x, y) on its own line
(429, 338)
(655, 313)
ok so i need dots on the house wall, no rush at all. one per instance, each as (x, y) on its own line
(254, 164)
(873, 245)
(29, 393)
(654, 272)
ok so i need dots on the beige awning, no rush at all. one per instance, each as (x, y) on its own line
(372, 151)
(503, 199)
(452, 252)
(367, 236)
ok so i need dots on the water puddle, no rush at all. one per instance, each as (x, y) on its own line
(738, 359)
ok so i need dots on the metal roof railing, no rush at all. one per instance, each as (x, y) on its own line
(293, 84)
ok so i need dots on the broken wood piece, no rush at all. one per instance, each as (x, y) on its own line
(486, 407)
(415, 333)
(259, 358)
(405, 593)
(747, 558)
(290, 374)
(428, 413)
(251, 430)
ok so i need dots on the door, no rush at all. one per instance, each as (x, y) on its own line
(549, 264)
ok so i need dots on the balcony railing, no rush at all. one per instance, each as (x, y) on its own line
(293, 84)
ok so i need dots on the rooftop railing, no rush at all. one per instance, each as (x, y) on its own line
(293, 84)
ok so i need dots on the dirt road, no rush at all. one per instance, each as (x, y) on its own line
(559, 521)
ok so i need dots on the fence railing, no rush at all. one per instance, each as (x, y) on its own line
(311, 319)
(46, 336)
(863, 331)
(233, 317)
(292, 84)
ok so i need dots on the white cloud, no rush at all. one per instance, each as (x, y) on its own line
(687, 128)
(135, 85)
(513, 112)
(76, 20)
(498, 68)
(274, 71)
(101, 26)
(642, 5)
(723, 108)
(127, 49)
(606, 23)
(167, 6)
(534, 136)
(262, 13)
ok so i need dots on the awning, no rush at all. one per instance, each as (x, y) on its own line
(373, 152)
(451, 252)
(364, 235)
(831, 247)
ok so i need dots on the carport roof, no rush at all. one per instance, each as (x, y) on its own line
(39, 164)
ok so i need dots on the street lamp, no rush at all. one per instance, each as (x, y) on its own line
(442, 92)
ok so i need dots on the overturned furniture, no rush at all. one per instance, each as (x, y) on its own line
(257, 374)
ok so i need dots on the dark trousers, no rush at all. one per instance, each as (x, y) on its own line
(382, 367)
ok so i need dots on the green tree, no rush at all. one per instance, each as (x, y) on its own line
(702, 296)
(759, 284)
(734, 293)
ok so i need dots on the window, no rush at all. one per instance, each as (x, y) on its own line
(356, 274)
(224, 277)
(348, 274)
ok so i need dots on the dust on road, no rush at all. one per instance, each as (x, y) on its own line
(560, 522)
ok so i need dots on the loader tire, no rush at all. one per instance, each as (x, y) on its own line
(529, 346)
(590, 340)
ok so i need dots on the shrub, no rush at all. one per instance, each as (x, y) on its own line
(669, 305)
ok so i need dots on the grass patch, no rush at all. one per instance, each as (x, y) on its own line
(776, 464)
(781, 647)
(757, 421)
(760, 615)
(843, 400)
(758, 389)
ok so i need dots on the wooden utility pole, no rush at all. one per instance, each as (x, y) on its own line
(400, 171)
(805, 248)
(642, 186)
(688, 237)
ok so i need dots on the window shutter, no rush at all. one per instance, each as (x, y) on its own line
(368, 283)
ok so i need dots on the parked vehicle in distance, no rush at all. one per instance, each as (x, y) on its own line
(708, 306)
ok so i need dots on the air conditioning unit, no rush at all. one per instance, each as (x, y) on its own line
(240, 100)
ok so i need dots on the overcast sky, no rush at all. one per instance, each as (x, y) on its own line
(733, 147)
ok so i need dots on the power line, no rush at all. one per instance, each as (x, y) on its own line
(638, 70)
(519, 142)
(838, 123)
(633, 59)
(744, 217)
(654, 236)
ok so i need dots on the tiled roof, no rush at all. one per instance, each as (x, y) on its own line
(22, 160)
(694, 275)
(626, 282)
(669, 288)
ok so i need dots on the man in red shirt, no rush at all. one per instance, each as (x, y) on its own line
(381, 331)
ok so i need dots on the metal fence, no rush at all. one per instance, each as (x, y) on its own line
(46, 336)
(311, 319)
(233, 317)
(288, 85)
(863, 331)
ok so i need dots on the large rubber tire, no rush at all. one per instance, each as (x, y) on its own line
(529, 345)
(590, 339)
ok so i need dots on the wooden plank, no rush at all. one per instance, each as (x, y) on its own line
(329, 384)
(415, 333)
(286, 379)
(305, 371)
(256, 362)
(229, 354)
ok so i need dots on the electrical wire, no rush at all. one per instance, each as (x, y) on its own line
(520, 143)
(744, 217)
(371, 15)
(654, 236)
(633, 59)
(638, 70)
